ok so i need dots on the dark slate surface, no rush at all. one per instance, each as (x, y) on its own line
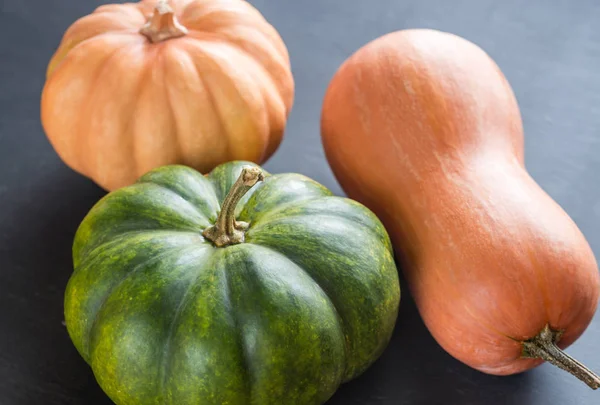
(550, 52)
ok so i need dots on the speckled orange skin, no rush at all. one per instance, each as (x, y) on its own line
(423, 128)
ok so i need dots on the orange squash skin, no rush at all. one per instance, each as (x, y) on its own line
(116, 105)
(423, 128)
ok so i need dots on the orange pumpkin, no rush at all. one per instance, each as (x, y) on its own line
(423, 128)
(137, 86)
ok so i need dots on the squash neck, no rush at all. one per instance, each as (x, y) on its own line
(227, 231)
(543, 346)
(163, 24)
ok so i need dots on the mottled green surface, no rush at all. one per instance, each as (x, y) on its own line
(165, 318)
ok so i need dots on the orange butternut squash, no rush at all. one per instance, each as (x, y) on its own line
(422, 127)
(140, 85)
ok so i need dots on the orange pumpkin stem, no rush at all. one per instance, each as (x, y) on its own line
(227, 231)
(163, 24)
(544, 347)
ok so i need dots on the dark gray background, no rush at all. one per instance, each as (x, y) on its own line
(548, 49)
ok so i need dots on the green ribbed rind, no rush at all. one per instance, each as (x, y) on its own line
(163, 317)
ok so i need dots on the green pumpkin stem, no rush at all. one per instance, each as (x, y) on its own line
(543, 346)
(227, 231)
(163, 24)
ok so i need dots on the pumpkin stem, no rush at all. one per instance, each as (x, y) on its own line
(163, 24)
(544, 347)
(227, 231)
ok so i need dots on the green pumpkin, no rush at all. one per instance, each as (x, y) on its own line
(173, 301)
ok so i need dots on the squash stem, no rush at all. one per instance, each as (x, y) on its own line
(227, 231)
(544, 347)
(163, 24)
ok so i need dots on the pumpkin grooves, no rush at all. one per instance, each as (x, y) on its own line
(163, 24)
(227, 231)
(544, 347)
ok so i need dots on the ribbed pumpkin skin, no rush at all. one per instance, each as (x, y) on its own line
(490, 258)
(164, 317)
(116, 105)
